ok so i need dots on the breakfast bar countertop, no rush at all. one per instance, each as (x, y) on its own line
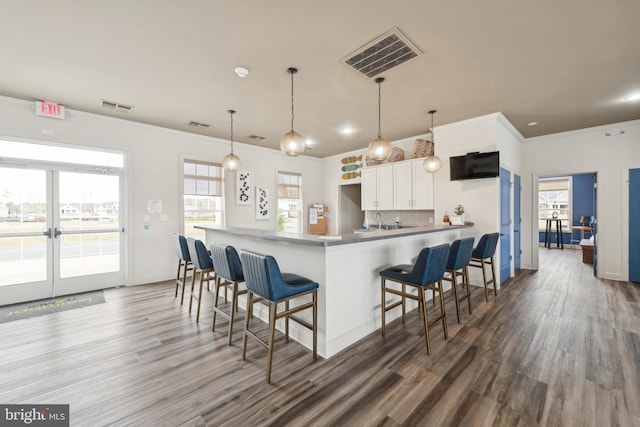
(321, 240)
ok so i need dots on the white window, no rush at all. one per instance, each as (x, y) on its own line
(554, 199)
(290, 202)
(203, 196)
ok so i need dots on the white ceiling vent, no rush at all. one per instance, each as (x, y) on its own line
(195, 124)
(115, 106)
(385, 52)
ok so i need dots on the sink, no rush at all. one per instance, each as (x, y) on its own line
(394, 227)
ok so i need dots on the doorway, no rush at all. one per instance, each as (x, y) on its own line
(60, 230)
(351, 213)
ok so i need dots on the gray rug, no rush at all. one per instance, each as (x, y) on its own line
(50, 305)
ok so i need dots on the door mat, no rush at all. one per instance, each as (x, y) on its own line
(49, 305)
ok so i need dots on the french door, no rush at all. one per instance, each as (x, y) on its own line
(60, 232)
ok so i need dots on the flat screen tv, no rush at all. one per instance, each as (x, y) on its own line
(475, 166)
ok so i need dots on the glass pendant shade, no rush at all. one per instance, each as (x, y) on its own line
(432, 163)
(292, 143)
(379, 149)
(231, 162)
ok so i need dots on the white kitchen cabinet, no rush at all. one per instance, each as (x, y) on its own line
(413, 186)
(377, 188)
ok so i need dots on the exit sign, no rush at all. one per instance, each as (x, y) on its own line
(50, 109)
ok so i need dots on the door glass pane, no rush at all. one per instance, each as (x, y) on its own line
(89, 214)
(86, 254)
(23, 203)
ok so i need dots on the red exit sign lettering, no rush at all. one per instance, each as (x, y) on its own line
(50, 109)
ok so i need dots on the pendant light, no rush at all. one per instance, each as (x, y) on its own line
(379, 148)
(231, 162)
(291, 142)
(432, 163)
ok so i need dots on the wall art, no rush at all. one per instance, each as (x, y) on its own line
(243, 187)
(263, 203)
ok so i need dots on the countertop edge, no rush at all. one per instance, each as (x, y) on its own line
(316, 240)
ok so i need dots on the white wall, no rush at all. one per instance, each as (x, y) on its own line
(589, 150)
(154, 172)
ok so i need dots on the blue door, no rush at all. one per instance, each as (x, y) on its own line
(634, 225)
(517, 222)
(505, 225)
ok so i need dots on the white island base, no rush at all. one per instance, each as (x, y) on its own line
(347, 271)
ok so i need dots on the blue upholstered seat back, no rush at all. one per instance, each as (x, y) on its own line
(257, 275)
(460, 253)
(263, 277)
(486, 246)
(226, 262)
(181, 247)
(199, 256)
(430, 265)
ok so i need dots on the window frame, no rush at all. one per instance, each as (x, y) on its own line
(292, 213)
(560, 183)
(219, 211)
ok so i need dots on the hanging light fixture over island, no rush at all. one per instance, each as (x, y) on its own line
(379, 148)
(231, 162)
(432, 163)
(292, 142)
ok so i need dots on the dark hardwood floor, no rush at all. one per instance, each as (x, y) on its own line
(557, 347)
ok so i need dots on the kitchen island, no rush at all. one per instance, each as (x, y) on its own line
(345, 266)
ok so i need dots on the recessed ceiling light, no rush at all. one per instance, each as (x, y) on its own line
(634, 97)
(347, 131)
(532, 124)
(241, 72)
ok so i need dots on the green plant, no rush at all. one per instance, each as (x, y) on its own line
(282, 219)
(459, 210)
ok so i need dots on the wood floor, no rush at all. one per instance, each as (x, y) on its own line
(557, 347)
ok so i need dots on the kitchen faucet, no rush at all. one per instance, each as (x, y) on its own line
(380, 221)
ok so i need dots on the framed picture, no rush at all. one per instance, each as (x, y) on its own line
(456, 220)
(263, 203)
(243, 187)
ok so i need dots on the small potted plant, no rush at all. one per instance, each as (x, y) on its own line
(459, 210)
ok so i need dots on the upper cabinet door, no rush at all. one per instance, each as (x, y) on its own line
(422, 186)
(403, 194)
(369, 189)
(385, 188)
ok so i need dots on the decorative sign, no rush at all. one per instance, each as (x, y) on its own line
(263, 204)
(350, 166)
(243, 187)
(50, 109)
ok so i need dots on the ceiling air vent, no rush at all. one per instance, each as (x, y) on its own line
(385, 52)
(252, 136)
(115, 106)
(194, 124)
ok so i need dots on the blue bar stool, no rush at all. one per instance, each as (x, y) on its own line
(184, 263)
(202, 264)
(266, 284)
(482, 255)
(228, 268)
(457, 266)
(425, 274)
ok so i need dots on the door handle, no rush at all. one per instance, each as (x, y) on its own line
(56, 232)
(47, 233)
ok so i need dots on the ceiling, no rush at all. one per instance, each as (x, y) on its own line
(564, 64)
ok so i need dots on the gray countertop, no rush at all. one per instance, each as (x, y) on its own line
(316, 240)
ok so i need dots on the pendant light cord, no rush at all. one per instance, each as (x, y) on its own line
(292, 101)
(379, 98)
(231, 113)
